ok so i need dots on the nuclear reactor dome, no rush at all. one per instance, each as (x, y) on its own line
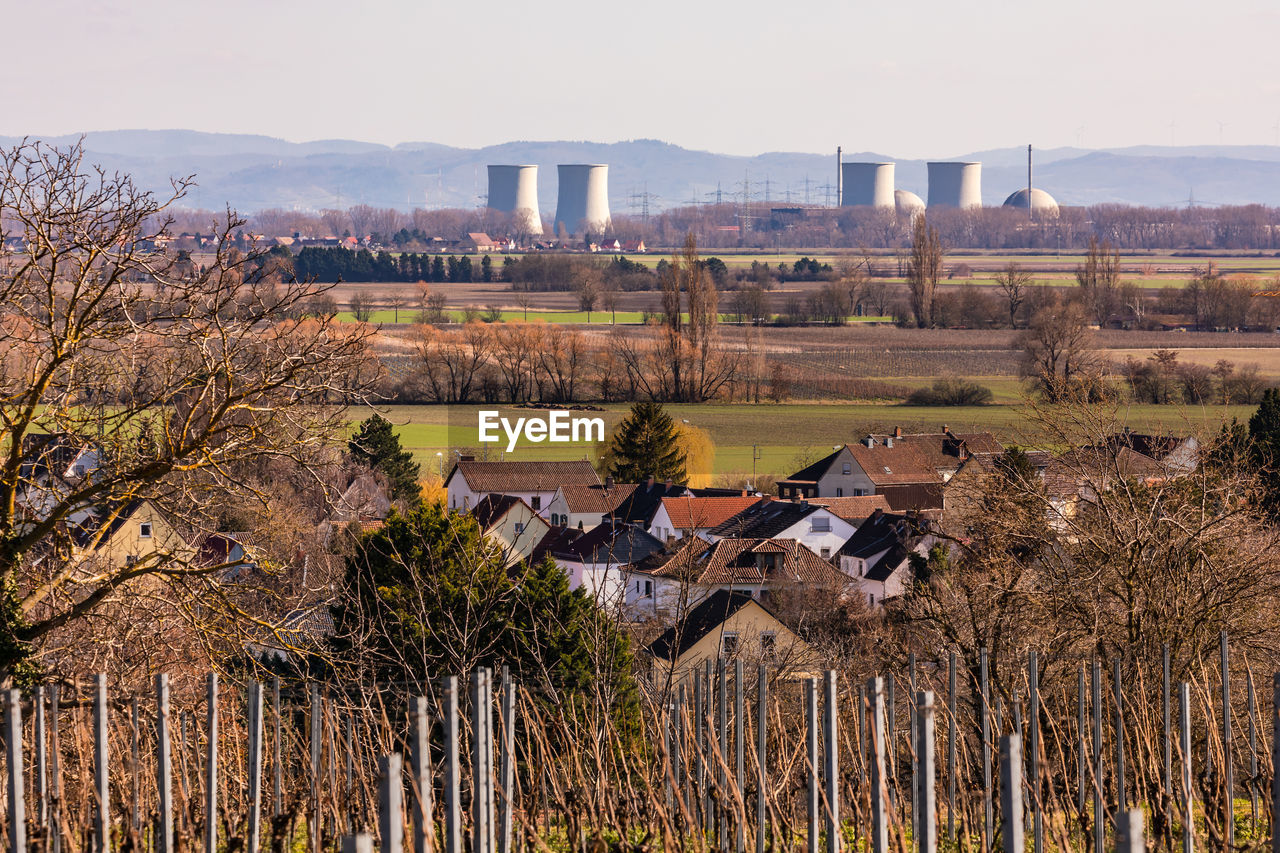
(1041, 201)
(907, 202)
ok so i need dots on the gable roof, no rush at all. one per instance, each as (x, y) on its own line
(883, 533)
(946, 450)
(642, 504)
(50, 454)
(814, 472)
(556, 539)
(894, 463)
(596, 497)
(700, 621)
(692, 513)
(730, 561)
(853, 509)
(766, 519)
(491, 508)
(507, 477)
(611, 542)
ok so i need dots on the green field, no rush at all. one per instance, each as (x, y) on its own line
(788, 435)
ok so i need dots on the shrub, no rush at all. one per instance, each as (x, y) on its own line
(951, 392)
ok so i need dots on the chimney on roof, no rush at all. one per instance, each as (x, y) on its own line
(888, 441)
(466, 457)
(649, 484)
(869, 441)
(897, 432)
(669, 484)
(608, 481)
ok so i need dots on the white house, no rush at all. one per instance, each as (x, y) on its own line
(584, 507)
(600, 558)
(667, 585)
(691, 515)
(878, 555)
(811, 524)
(535, 483)
(512, 525)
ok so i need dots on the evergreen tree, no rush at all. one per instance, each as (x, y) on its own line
(486, 268)
(1264, 449)
(377, 446)
(645, 444)
(437, 268)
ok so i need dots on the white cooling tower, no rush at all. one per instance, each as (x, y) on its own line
(955, 185)
(867, 184)
(582, 205)
(514, 190)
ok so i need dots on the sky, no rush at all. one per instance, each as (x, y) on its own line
(930, 78)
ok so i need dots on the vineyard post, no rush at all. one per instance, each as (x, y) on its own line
(278, 754)
(255, 766)
(762, 754)
(1228, 765)
(951, 748)
(1122, 804)
(421, 758)
(1188, 801)
(740, 754)
(988, 826)
(211, 782)
(391, 804)
(926, 796)
(17, 815)
(811, 761)
(507, 763)
(1011, 793)
(1099, 829)
(164, 767)
(41, 769)
(830, 761)
(1033, 747)
(1129, 832)
(101, 759)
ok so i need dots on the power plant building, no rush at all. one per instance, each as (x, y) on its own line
(867, 185)
(582, 205)
(1042, 204)
(955, 184)
(514, 190)
(907, 203)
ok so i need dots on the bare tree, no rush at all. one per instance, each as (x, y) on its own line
(361, 305)
(924, 268)
(170, 385)
(1014, 281)
(1099, 279)
(336, 221)
(1058, 349)
(394, 300)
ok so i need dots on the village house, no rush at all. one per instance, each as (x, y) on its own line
(874, 466)
(600, 559)
(729, 626)
(811, 524)
(511, 524)
(583, 507)
(690, 515)
(668, 584)
(536, 483)
(854, 510)
(878, 556)
(123, 535)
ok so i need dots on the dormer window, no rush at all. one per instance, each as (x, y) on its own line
(821, 524)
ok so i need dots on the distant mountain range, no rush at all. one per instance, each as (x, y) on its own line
(252, 173)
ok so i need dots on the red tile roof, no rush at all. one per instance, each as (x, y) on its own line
(854, 508)
(526, 476)
(596, 497)
(731, 561)
(690, 513)
(897, 465)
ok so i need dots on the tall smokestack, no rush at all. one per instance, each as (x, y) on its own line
(1031, 208)
(839, 177)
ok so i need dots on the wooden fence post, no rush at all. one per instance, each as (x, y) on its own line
(391, 804)
(17, 815)
(164, 767)
(211, 792)
(101, 763)
(830, 761)
(452, 769)
(255, 766)
(879, 786)
(1011, 793)
(422, 783)
(762, 752)
(1188, 794)
(926, 797)
(1129, 832)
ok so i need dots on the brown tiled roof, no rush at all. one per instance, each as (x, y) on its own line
(688, 513)
(734, 561)
(596, 497)
(491, 508)
(527, 476)
(855, 508)
(899, 464)
(946, 450)
(918, 496)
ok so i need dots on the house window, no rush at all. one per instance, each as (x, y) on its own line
(519, 527)
(848, 468)
(648, 588)
(130, 559)
(839, 493)
(537, 502)
(871, 598)
(144, 530)
(857, 493)
(826, 553)
(822, 524)
(769, 645)
(729, 645)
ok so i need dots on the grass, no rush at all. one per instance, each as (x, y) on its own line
(786, 436)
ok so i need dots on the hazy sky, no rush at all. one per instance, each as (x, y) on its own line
(928, 78)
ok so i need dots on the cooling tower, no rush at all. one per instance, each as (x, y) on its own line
(867, 184)
(955, 185)
(583, 202)
(514, 190)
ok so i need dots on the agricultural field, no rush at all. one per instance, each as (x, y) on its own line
(786, 436)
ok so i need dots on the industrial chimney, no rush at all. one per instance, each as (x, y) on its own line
(868, 185)
(514, 190)
(583, 200)
(955, 185)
